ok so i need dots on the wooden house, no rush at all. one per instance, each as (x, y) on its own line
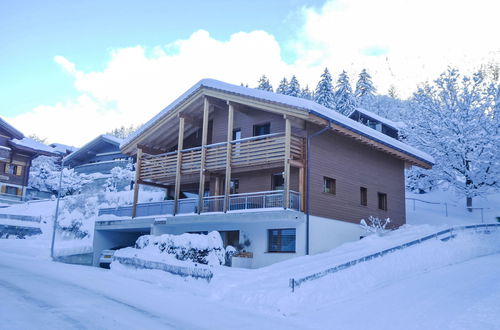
(277, 176)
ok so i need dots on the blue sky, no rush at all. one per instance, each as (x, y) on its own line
(103, 64)
(33, 32)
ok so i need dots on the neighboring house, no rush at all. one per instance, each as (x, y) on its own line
(100, 155)
(62, 150)
(379, 123)
(16, 154)
(277, 176)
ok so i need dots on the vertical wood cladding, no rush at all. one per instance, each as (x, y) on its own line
(354, 165)
(244, 119)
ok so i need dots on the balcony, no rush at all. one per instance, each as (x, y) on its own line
(236, 202)
(250, 152)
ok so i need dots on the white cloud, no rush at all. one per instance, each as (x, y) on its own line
(400, 42)
(417, 39)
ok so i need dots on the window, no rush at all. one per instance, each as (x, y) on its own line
(12, 190)
(382, 201)
(363, 196)
(13, 169)
(329, 185)
(263, 129)
(281, 240)
(230, 237)
(235, 186)
(278, 181)
(237, 134)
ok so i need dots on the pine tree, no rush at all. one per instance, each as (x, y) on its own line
(344, 99)
(283, 87)
(365, 91)
(264, 84)
(324, 91)
(294, 87)
(306, 93)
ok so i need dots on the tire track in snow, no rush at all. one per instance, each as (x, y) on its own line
(74, 288)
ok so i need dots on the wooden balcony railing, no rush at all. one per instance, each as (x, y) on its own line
(259, 150)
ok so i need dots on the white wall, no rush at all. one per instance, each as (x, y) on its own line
(253, 226)
(326, 234)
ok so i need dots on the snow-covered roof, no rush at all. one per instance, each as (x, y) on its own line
(62, 148)
(29, 143)
(9, 128)
(289, 101)
(103, 137)
(383, 120)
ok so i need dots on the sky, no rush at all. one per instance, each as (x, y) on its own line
(70, 70)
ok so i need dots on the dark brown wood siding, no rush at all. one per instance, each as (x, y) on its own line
(354, 165)
(244, 119)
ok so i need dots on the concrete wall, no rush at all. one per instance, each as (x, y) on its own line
(326, 234)
(252, 225)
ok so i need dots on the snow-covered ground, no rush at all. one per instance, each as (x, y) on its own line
(441, 285)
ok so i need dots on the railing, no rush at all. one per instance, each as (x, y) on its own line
(443, 235)
(446, 206)
(247, 201)
(257, 150)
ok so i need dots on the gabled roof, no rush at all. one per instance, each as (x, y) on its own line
(300, 104)
(61, 148)
(10, 129)
(383, 120)
(31, 145)
(101, 138)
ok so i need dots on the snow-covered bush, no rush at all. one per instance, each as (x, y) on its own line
(120, 178)
(45, 174)
(204, 249)
(375, 225)
(77, 214)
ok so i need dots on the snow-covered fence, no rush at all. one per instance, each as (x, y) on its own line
(445, 206)
(196, 272)
(20, 217)
(443, 235)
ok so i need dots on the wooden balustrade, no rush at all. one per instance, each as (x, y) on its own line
(245, 152)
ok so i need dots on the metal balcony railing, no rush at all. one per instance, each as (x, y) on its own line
(236, 202)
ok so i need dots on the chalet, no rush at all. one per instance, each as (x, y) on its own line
(277, 176)
(16, 154)
(97, 156)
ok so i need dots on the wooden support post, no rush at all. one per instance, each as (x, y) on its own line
(302, 190)
(180, 145)
(227, 189)
(286, 173)
(204, 137)
(137, 179)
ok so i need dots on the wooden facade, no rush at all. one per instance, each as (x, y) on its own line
(215, 145)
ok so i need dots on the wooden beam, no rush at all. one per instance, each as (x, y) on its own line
(286, 174)
(230, 116)
(302, 190)
(180, 146)
(154, 184)
(204, 138)
(137, 179)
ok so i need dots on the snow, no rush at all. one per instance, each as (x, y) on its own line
(295, 102)
(29, 143)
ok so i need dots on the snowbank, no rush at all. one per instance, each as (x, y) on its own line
(187, 250)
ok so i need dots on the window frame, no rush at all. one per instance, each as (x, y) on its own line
(256, 126)
(279, 239)
(382, 201)
(363, 196)
(332, 182)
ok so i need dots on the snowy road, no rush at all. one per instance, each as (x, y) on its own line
(38, 293)
(45, 295)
